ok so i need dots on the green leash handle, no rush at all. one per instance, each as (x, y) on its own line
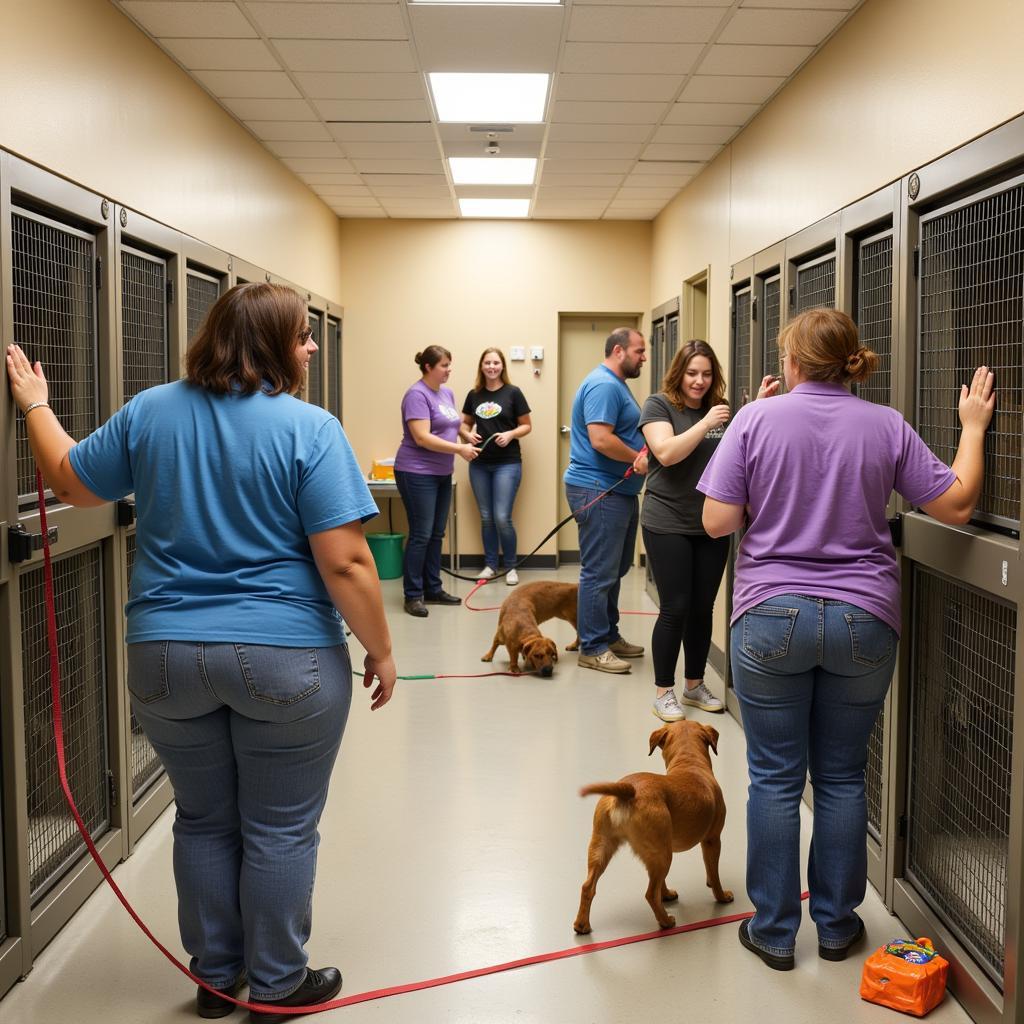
(428, 676)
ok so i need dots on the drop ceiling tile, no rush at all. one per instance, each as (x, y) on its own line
(711, 134)
(196, 19)
(327, 178)
(558, 192)
(654, 3)
(734, 114)
(663, 167)
(680, 151)
(352, 202)
(754, 60)
(373, 110)
(486, 38)
(352, 55)
(593, 150)
(299, 150)
(520, 133)
(383, 131)
(607, 113)
(494, 191)
(410, 203)
(328, 20)
(730, 89)
(391, 150)
(404, 180)
(424, 215)
(584, 180)
(630, 58)
(562, 206)
(629, 215)
(248, 84)
(587, 166)
(636, 88)
(221, 54)
(636, 24)
(676, 181)
(831, 5)
(636, 204)
(325, 85)
(598, 133)
(800, 28)
(646, 193)
(412, 191)
(279, 131)
(369, 165)
(555, 213)
(270, 110)
(357, 213)
(310, 165)
(333, 191)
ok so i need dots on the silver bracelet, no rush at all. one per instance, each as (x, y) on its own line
(36, 405)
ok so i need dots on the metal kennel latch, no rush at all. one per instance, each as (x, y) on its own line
(21, 544)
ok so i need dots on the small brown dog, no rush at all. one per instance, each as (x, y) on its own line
(519, 621)
(659, 814)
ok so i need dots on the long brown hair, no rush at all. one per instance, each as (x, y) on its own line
(249, 339)
(825, 346)
(481, 380)
(672, 385)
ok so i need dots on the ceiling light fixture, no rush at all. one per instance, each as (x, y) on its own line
(494, 207)
(469, 96)
(477, 2)
(485, 170)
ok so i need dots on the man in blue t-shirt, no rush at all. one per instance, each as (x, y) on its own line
(605, 442)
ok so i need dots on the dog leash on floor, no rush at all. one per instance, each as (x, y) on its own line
(547, 537)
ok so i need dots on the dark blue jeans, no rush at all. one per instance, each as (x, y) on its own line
(811, 676)
(494, 486)
(607, 538)
(427, 497)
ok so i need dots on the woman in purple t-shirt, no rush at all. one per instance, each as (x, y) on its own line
(816, 612)
(432, 435)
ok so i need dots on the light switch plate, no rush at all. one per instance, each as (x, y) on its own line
(537, 352)
(517, 353)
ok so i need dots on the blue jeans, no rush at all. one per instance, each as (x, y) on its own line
(248, 735)
(607, 539)
(427, 498)
(494, 486)
(811, 676)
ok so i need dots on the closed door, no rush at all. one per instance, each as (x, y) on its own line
(580, 348)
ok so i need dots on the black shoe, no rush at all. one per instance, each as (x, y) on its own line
(417, 607)
(208, 1005)
(442, 597)
(319, 987)
(775, 962)
(840, 952)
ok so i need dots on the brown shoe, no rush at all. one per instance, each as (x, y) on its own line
(603, 662)
(624, 649)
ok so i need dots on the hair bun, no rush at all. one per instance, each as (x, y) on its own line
(861, 363)
(418, 359)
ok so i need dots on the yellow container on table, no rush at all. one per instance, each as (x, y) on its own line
(383, 469)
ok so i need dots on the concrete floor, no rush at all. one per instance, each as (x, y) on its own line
(454, 839)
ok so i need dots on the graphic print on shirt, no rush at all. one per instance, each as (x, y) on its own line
(447, 411)
(487, 410)
(715, 433)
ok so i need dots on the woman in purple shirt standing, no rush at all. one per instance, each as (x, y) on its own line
(816, 610)
(432, 435)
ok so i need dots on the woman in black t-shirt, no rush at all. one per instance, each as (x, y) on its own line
(498, 415)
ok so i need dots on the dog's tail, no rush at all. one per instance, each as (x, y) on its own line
(621, 790)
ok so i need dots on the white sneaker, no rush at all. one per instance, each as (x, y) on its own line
(667, 708)
(701, 697)
(511, 577)
(485, 573)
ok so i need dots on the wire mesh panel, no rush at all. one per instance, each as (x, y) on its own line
(658, 363)
(201, 292)
(53, 840)
(145, 765)
(970, 312)
(740, 390)
(816, 284)
(143, 321)
(873, 778)
(962, 680)
(315, 378)
(671, 337)
(53, 273)
(874, 314)
(772, 321)
(334, 365)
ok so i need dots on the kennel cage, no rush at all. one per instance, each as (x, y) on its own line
(53, 273)
(970, 295)
(54, 844)
(334, 366)
(815, 284)
(959, 770)
(144, 327)
(315, 376)
(201, 292)
(772, 321)
(739, 391)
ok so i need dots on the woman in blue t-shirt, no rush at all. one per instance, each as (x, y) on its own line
(250, 506)
(497, 415)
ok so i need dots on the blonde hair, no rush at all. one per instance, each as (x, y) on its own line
(825, 345)
(481, 382)
(672, 384)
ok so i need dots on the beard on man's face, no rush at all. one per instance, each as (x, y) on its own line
(630, 369)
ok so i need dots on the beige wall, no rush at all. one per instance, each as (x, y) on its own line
(467, 285)
(85, 94)
(902, 83)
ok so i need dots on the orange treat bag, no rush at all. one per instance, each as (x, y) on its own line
(905, 976)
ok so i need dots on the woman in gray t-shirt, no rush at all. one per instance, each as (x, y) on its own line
(682, 425)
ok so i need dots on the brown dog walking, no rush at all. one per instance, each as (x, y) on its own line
(658, 815)
(519, 624)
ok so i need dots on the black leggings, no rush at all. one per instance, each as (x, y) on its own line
(687, 571)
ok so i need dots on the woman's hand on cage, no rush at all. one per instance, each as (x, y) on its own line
(978, 400)
(28, 385)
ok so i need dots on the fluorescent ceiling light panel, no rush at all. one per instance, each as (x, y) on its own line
(489, 99)
(480, 2)
(494, 207)
(492, 170)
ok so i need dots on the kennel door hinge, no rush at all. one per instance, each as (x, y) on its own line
(21, 545)
(734, 318)
(917, 261)
(170, 293)
(896, 530)
(901, 827)
(792, 298)
(753, 310)
(111, 786)
(99, 273)
(125, 512)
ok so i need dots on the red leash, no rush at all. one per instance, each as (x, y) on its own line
(497, 607)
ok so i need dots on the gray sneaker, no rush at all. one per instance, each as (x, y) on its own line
(701, 697)
(603, 662)
(622, 648)
(667, 708)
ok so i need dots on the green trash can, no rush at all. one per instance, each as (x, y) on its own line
(386, 549)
